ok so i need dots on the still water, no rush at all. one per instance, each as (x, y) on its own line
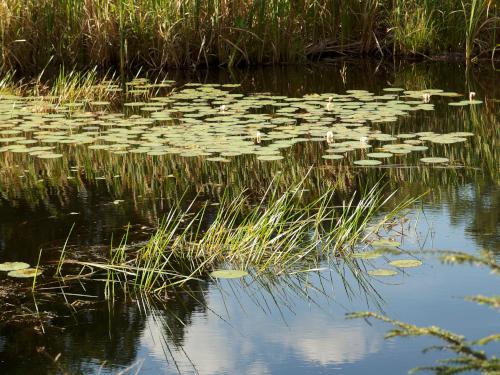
(292, 324)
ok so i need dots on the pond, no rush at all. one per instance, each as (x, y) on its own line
(80, 176)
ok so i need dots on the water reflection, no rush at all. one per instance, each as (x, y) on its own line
(311, 338)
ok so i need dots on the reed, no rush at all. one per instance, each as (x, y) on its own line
(477, 18)
(160, 33)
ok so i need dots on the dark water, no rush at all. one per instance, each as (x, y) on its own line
(294, 324)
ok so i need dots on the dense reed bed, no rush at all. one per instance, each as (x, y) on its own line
(160, 33)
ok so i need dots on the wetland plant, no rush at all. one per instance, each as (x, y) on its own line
(183, 33)
(281, 233)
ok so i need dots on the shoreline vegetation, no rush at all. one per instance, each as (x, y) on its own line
(158, 34)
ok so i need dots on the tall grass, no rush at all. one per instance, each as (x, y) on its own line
(159, 33)
(477, 18)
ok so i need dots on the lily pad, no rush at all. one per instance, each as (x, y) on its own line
(50, 156)
(13, 266)
(333, 157)
(406, 263)
(269, 157)
(384, 242)
(366, 163)
(367, 255)
(434, 160)
(25, 273)
(379, 155)
(382, 272)
(228, 274)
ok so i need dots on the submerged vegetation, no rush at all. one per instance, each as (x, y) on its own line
(160, 33)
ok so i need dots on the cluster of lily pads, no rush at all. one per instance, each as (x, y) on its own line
(381, 247)
(19, 270)
(217, 122)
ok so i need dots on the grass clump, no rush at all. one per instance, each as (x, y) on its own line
(280, 234)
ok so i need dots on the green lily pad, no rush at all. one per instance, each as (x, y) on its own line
(269, 157)
(218, 159)
(384, 242)
(49, 156)
(228, 274)
(406, 263)
(434, 160)
(367, 255)
(25, 273)
(379, 155)
(382, 272)
(333, 157)
(366, 163)
(13, 266)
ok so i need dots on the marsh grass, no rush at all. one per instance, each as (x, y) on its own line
(281, 233)
(479, 15)
(159, 33)
(74, 86)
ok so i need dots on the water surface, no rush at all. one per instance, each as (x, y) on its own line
(294, 324)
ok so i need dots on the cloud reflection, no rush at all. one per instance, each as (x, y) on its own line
(310, 337)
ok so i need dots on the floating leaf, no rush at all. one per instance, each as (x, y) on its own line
(384, 242)
(367, 255)
(379, 155)
(332, 157)
(382, 272)
(50, 156)
(367, 163)
(228, 274)
(434, 160)
(219, 159)
(13, 266)
(406, 263)
(269, 157)
(25, 273)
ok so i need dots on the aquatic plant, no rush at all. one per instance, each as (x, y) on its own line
(227, 120)
(477, 17)
(484, 258)
(467, 359)
(280, 234)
